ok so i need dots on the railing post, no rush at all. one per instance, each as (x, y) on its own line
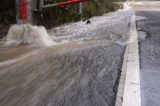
(80, 8)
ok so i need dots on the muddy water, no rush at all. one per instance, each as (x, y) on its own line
(81, 72)
(81, 75)
(9, 53)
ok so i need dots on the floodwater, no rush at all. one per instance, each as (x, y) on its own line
(81, 68)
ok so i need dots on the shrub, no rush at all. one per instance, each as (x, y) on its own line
(66, 14)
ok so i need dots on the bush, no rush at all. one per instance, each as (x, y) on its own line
(66, 14)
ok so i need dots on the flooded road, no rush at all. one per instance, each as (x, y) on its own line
(82, 69)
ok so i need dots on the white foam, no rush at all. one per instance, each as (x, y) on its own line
(28, 34)
(126, 6)
(138, 3)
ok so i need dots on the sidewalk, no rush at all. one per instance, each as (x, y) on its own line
(129, 87)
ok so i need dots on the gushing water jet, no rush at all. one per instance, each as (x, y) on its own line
(28, 34)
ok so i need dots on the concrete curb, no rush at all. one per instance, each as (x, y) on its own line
(128, 93)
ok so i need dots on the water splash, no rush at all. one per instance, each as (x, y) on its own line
(28, 34)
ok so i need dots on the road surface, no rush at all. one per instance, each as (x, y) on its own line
(149, 51)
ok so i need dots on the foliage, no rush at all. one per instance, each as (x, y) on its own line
(7, 11)
(60, 15)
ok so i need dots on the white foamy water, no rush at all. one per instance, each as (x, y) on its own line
(28, 34)
(112, 26)
(126, 6)
(137, 3)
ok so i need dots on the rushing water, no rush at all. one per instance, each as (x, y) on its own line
(75, 64)
(28, 34)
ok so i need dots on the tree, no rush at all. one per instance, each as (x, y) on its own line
(7, 11)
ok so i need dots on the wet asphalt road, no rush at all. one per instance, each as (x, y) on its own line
(76, 73)
(149, 52)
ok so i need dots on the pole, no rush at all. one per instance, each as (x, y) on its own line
(17, 9)
(80, 8)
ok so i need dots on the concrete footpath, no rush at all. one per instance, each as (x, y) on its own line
(129, 87)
